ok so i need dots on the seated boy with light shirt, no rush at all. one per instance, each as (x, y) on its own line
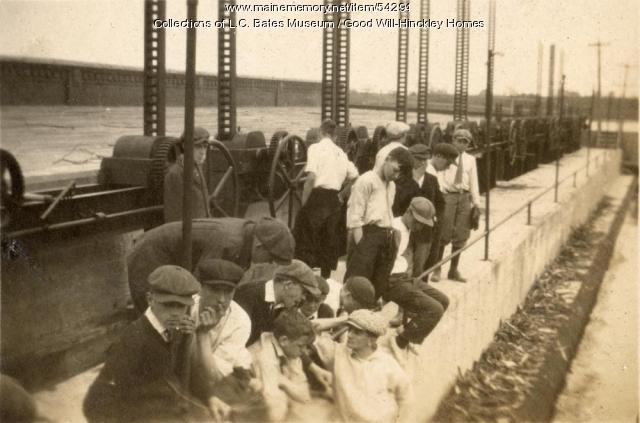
(278, 367)
(222, 328)
(368, 384)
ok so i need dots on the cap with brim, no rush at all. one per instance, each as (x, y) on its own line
(462, 134)
(419, 151)
(396, 130)
(300, 273)
(276, 238)
(200, 136)
(162, 297)
(219, 272)
(369, 321)
(422, 210)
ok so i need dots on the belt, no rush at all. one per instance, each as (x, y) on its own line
(464, 191)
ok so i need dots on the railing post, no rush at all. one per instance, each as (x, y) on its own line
(555, 195)
(529, 213)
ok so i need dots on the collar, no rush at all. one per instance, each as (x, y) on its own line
(430, 169)
(269, 292)
(156, 324)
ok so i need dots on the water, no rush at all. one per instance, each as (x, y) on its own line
(49, 140)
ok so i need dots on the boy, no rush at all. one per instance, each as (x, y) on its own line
(368, 384)
(278, 365)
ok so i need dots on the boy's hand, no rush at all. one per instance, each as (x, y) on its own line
(219, 409)
(183, 324)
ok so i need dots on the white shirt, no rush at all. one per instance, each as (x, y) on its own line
(401, 265)
(431, 170)
(370, 201)
(228, 338)
(156, 324)
(382, 154)
(446, 178)
(373, 389)
(330, 165)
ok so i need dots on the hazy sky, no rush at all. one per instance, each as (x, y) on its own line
(110, 32)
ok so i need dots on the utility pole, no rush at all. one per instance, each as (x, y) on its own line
(620, 101)
(599, 46)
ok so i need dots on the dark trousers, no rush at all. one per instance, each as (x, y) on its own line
(423, 305)
(373, 257)
(319, 240)
(434, 251)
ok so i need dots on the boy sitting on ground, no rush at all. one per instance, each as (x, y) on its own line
(368, 384)
(278, 366)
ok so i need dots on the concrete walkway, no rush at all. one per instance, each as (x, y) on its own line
(602, 385)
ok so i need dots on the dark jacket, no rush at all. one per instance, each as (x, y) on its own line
(251, 298)
(226, 238)
(137, 382)
(173, 189)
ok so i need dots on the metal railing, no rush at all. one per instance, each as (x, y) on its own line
(528, 206)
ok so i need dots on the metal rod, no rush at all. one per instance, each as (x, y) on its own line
(189, 111)
(57, 201)
(488, 106)
(555, 193)
(529, 213)
(81, 222)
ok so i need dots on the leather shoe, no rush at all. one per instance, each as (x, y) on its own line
(456, 276)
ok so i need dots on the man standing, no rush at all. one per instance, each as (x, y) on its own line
(460, 189)
(444, 155)
(369, 218)
(174, 180)
(240, 241)
(329, 176)
(263, 300)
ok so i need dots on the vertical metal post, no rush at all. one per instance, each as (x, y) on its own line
(461, 91)
(591, 111)
(227, 116)
(154, 104)
(328, 57)
(423, 65)
(562, 132)
(189, 111)
(555, 191)
(529, 213)
(403, 63)
(342, 50)
(488, 108)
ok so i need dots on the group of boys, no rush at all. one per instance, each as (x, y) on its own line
(244, 335)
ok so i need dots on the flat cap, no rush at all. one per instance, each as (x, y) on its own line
(219, 272)
(369, 321)
(446, 150)
(462, 133)
(173, 283)
(323, 285)
(300, 273)
(419, 151)
(276, 238)
(422, 210)
(200, 135)
(396, 130)
(362, 290)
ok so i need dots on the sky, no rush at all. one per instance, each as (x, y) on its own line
(111, 32)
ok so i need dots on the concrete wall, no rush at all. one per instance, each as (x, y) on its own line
(37, 83)
(519, 255)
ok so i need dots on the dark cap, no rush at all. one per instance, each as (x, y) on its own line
(173, 283)
(323, 285)
(362, 290)
(300, 273)
(219, 272)
(200, 135)
(446, 150)
(422, 210)
(276, 238)
(419, 151)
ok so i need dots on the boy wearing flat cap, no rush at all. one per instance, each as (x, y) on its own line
(140, 380)
(422, 304)
(222, 326)
(396, 136)
(240, 241)
(461, 193)
(263, 300)
(174, 180)
(368, 384)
